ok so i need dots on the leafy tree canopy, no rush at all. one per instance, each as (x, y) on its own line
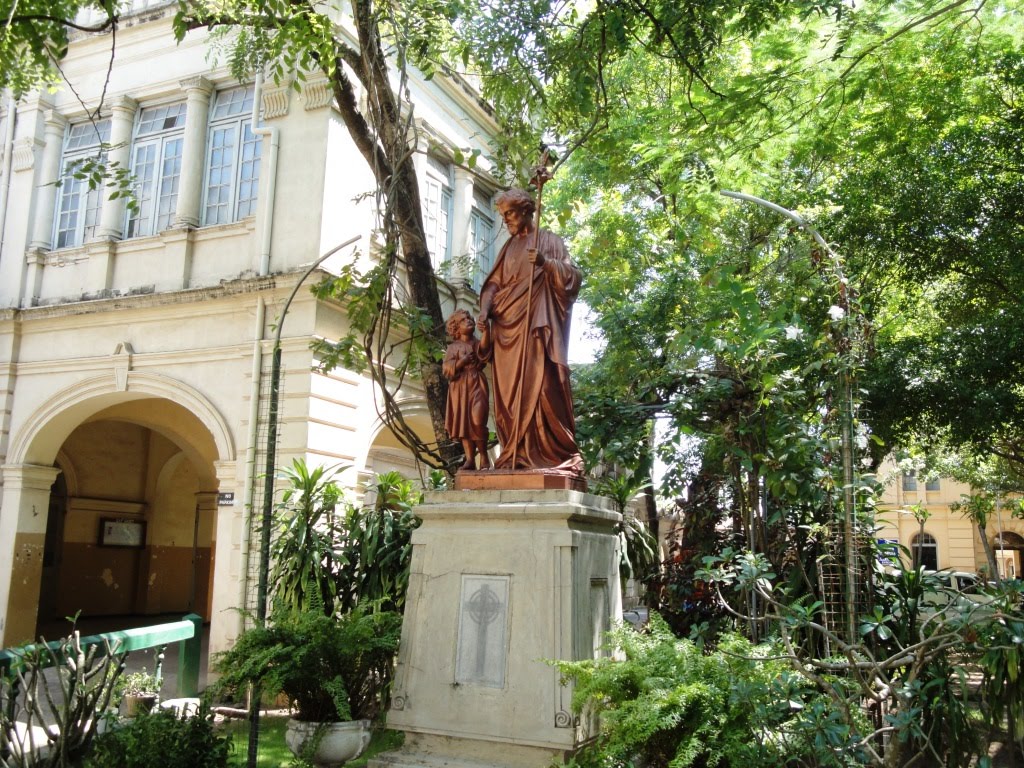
(34, 39)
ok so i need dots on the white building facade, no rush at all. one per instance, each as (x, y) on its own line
(135, 341)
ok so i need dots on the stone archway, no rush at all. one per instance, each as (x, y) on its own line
(1008, 548)
(386, 453)
(139, 461)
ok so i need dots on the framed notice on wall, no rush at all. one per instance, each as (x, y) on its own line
(122, 532)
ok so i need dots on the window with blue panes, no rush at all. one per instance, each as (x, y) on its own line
(232, 159)
(156, 168)
(482, 235)
(437, 213)
(78, 206)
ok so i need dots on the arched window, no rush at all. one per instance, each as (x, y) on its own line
(925, 551)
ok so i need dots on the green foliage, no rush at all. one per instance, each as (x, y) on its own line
(638, 549)
(334, 558)
(1000, 642)
(376, 552)
(667, 703)
(332, 668)
(138, 683)
(305, 537)
(912, 659)
(163, 739)
(34, 38)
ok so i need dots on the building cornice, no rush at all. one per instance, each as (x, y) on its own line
(226, 289)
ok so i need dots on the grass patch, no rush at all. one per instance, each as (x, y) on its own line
(273, 752)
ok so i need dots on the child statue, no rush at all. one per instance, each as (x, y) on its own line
(468, 394)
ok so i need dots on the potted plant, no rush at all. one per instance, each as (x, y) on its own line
(335, 671)
(139, 691)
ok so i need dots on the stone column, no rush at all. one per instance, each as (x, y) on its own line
(49, 175)
(122, 119)
(198, 91)
(23, 513)
(500, 582)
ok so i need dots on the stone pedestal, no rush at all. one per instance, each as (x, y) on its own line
(501, 582)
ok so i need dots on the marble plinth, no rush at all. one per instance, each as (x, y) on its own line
(501, 581)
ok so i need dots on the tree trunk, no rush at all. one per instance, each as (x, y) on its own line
(989, 554)
(381, 135)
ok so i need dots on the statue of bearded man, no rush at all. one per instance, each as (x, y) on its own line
(527, 302)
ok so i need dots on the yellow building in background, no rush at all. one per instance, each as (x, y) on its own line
(946, 539)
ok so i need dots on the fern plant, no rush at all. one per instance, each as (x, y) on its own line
(662, 702)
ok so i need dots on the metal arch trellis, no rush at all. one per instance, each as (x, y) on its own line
(851, 581)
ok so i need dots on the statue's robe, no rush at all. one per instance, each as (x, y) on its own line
(532, 396)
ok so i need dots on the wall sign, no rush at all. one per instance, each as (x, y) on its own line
(122, 532)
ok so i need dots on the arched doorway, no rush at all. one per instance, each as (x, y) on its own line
(386, 453)
(135, 532)
(128, 471)
(1007, 548)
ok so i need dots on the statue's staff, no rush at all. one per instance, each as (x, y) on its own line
(541, 176)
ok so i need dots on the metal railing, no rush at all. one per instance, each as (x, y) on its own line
(187, 632)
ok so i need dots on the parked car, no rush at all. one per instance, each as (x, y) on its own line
(963, 590)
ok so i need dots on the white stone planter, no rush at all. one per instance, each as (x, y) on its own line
(338, 742)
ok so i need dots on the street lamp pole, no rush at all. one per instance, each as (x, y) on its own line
(268, 491)
(846, 426)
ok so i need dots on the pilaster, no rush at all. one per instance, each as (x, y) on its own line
(49, 175)
(462, 207)
(23, 514)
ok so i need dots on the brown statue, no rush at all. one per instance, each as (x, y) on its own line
(526, 303)
(468, 401)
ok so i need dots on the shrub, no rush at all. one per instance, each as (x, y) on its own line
(162, 739)
(43, 725)
(331, 668)
(664, 702)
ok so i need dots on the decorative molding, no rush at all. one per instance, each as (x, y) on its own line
(564, 719)
(122, 364)
(197, 83)
(64, 257)
(316, 95)
(124, 104)
(110, 506)
(34, 438)
(275, 102)
(563, 630)
(24, 156)
(398, 702)
(40, 101)
(32, 477)
(55, 122)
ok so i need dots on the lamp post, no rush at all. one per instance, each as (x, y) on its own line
(846, 424)
(268, 491)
